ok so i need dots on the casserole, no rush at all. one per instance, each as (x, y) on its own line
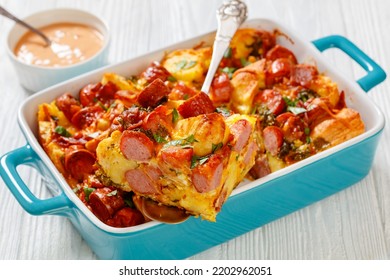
(250, 206)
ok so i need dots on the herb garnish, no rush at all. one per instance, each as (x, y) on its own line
(114, 192)
(87, 192)
(184, 64)
(175, 115)
(182, 142)
(229, 71)
(228, 53)
(62, 131)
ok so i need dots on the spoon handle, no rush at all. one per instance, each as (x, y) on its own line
(7, 14)
(230, 16)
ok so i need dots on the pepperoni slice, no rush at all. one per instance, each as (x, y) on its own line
(241, 131)
(105, 203)
(196, 105)
(153, 94)
(135, 145)
(273, 139)
(79, 162)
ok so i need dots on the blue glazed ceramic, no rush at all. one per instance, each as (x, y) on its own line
(251, 205)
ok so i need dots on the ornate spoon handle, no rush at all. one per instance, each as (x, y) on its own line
(230, 16)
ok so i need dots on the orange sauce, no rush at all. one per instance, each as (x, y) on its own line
(71, 43)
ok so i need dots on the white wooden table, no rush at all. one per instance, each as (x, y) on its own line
(353, 224)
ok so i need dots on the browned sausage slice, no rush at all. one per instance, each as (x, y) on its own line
(273, 139)
(207, 176)
(261, 167)
(79, 162)
(241, 131)
(68, 105)
(280, 52)
(142, 181)
(155, 71)
(126, 217)
(196, 105)
(105, 203)
(303, 74)
(177, 157)
(153, 93)
(273, 100)
(135, 145)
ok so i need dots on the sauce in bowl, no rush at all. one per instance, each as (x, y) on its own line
(71, 43)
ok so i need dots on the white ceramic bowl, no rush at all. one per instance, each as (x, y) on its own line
(35, 78)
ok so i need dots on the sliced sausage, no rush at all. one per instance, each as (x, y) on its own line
(251, 152)
(177, 157)
(273, 139)
(153, 94)
(303, 74)
(86, 116)
(88, 94)
(207, 176)
(221, 88)
(131, 118)
(159, 121)
(143, 181)
(68, 105)
(278, 70)
(196, 105)
(273, 100)
(155, 71)
(292, 126)
(241, 131)
(260, 168)
(128, 97)
(79, 162)
(135, 145)
(182, 92)
(126, 217)
(281, 52)
(105, 203)
(107, 92)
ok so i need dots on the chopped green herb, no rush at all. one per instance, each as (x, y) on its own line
(289, 102)
(101, 105)
(129, 202)
(229, 71)
(308, 140)
(224, 111)
(159, 138)
(185, 96)
(244, 62)
(62, 131)
(184, 64)
(296, 110)
(175, 115)
(196, 160)
(182, 142)
(114, 192)
(76, 189)
(307, 130)
(216, 147)
(228, 53)
(87, 192)
(172, 79)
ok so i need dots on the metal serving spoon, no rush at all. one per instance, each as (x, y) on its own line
(159, 212)
(7, 14)
(230, 16)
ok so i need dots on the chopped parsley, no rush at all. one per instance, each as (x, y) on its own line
(87, 192)
(229, 71)
(175, 115)
(224, 111)
(216, 147)
(114, 192)
(62, 131)
(159, 139)
(296, 110)
(172, 79)
(184, 64)
(196, 160)
(182, 142)
(244, 62)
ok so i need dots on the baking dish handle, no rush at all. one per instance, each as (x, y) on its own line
(375, 74)
(26, 156)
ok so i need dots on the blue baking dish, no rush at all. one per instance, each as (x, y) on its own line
(251, 205)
